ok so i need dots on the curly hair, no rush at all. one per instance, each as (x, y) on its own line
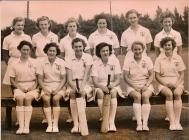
(49, 45)
(24, 42)
(102, 45)
(42, 18)
(167, 39)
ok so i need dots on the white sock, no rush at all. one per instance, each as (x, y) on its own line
(170, 111)
(113, 109)
(74, 112)
(48, 115)
(146, 112)
(28, 114)
(177, 110)
(137, 112)
(20, 115)
(56, 113)
(100, 104)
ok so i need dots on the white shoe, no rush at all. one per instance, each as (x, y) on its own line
(145, 127)
(16, 123)
(139, 127)
(172, 127)
(75, 129)
(26, 130)
(167, 118)
(49, 129)
(179, 127)
(69, 120)
(19, 131)
(100, 119)
(112, 128)
(44, 121)
(55, 129)
(134, 118)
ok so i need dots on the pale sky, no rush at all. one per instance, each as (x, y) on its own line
(60, 11)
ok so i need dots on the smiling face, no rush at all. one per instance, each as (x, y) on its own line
(72, 27)
(137, 51)
(168, 47)
(19, 27)
(51, 53)
(133, 19)
(167, 23)
(105, 53)
(78, 48)
(102, 24)
(25, 51)
(44, 25)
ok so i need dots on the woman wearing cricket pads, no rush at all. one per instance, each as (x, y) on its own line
(78, 67)
(100, 71)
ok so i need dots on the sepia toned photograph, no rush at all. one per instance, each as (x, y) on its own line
(94, 69)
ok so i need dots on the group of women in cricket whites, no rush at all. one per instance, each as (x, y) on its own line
(52, 74)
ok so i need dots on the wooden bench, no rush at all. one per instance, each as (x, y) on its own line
(8, 103)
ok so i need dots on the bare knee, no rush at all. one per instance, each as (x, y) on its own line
(136, 96)
(177, 94)
(28, 100)
(146, 96)
(56, 100)
(167, 93)
(100, 94)
(113, 93)
(19, 100)
(46, 100)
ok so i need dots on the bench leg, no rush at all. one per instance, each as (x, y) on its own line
(8, 117)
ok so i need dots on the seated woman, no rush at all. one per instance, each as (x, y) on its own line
(138, 75)
(102, 67)
(24, 87)
(51, 77)
(79, 68)
(169, 72)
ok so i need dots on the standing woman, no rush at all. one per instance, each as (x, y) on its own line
(10, 43)
(24, 87)
(135, 32)
(43, 37)
(169, 72)
(66, 43)
(100, 71)
(138, 74)
(167, 21)
(51, 77)
(103, 34)
(79, 68)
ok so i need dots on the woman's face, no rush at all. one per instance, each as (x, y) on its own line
(78, 48)
(25, 51)
(167, 23)
(51, 53)
(133, 19)
(72, 27)
(102, 24)
(168, 47)
(137, 51)
(19, 26)
(105, 53)
(44, 25)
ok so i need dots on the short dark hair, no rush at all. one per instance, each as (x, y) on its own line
(132, 11)
(102, 45)
(102, 16)
(49, 45)
(75, 40)
(24, 42)
(166, 14)
(167, 39)
(137, 43)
